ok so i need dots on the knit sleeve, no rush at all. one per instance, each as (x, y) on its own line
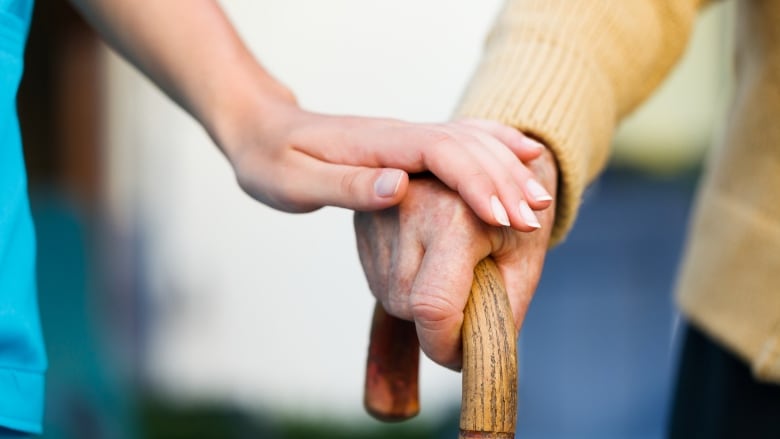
(566, 71)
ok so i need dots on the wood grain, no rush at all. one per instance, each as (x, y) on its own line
(489, 400)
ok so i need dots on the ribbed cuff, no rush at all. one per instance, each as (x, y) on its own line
(554, 94)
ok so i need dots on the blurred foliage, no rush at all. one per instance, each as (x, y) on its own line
(162, 420)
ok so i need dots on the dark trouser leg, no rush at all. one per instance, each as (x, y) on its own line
(717, 397)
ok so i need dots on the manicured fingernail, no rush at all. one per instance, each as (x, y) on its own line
(499, 213)
(528, 215)
(387, 184)
(531, 143)
(538, 192)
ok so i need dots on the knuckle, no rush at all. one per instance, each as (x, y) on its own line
(349, 183)
(482, 180)
(462, 218)
(457, 222)
(507, 180)
(399, 284)
(398, 307)
(433, 308)
(440, 140)
(474, 180)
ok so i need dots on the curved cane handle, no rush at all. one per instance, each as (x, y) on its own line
(489, 404)
(391, 392)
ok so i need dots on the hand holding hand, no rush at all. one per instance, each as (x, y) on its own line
(298, 161)
(419, 259)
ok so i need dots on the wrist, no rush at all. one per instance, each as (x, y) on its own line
(246, 105)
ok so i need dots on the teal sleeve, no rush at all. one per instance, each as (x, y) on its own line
(22, 354)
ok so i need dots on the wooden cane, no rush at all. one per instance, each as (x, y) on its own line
(489, 399)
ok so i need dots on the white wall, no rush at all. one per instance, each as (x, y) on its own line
(253, 306)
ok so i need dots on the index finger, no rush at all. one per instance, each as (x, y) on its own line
(439, 295)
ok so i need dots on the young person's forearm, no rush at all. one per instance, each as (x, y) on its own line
(189, 49)
(298, 161)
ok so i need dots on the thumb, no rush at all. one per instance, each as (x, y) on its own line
(353, 187)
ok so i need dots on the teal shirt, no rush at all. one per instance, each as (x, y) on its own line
(22, 355)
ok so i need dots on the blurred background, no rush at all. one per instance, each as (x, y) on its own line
(176, 307)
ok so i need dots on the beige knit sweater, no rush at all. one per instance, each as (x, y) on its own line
(567, 71)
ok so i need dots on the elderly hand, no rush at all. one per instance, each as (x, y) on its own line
(419, 259)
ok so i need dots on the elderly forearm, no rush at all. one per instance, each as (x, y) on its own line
(566, 71)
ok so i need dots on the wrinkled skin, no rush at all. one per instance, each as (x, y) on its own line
(419, 259)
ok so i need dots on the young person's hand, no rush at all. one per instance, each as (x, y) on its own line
(298, 161)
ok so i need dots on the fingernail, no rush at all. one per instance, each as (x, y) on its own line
(528, 215)
(531, 143)
(387, 184)
(499, 213)
(538, 192)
